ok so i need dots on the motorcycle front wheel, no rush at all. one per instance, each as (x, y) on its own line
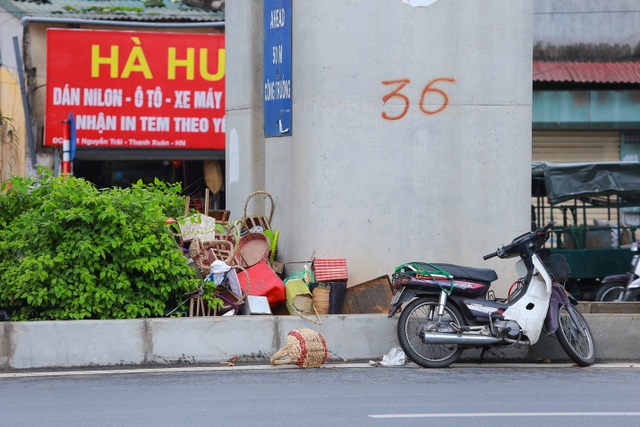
(575, 338)
(414, 317)
(610, 292)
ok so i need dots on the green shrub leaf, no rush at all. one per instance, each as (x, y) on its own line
(70, 251)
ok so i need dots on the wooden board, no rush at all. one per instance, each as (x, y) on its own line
(373, 296)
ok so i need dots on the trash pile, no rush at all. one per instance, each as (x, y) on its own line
(242, 275)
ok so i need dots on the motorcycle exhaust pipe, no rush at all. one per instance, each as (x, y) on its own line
(463, 339)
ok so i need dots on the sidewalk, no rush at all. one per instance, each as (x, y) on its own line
(253, 339)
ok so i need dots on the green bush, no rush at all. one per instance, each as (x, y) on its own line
(71, 251)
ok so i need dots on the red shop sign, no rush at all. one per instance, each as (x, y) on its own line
(131, 89)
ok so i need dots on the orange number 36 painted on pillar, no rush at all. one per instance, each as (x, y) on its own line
(428, 90)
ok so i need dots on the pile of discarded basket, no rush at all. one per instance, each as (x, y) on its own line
(236, 260)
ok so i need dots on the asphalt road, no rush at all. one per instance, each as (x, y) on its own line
(334, 395)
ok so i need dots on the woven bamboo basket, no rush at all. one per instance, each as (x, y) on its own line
(263, 221)
(321, 298)
(230, 301)
(300, 301)
(303, 347)
(199, 226)
(223, 250)
(204, 253)
(251, 249)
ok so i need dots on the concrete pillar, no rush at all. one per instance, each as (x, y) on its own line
(411, 131)
(245, 152)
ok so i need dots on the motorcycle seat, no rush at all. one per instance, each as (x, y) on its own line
(462, 272)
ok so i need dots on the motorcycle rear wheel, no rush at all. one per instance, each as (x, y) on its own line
(413, 317)
(580, 348)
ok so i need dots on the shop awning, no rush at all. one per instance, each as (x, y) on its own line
(586, 72)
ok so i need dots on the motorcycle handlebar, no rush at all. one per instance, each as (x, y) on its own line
(491, 255)
(540, 231)
(547, 227)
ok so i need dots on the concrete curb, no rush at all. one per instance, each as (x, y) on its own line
(253, 339)
(157, 369)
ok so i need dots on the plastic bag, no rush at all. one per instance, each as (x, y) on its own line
(395, 357)
(306, 275)
(223, 274)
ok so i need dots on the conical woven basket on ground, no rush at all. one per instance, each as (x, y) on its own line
(303, 347)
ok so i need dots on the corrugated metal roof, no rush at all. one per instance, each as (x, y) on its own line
(586, 72)
(115, 10)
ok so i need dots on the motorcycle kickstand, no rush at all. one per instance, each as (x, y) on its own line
(482, 353)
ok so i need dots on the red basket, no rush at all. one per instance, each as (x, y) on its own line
(330, 269)
(252, 249)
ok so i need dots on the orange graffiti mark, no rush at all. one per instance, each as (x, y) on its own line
(429, 89)
(396, 94)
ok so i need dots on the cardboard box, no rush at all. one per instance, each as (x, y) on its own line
(373, 296)
(257, 305)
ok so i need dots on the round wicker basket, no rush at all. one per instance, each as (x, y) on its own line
(252, 249)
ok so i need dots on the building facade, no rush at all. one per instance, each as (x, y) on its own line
(586, 81)
(103, 65)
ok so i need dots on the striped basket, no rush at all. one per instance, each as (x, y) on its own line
(304, 347)
(330, 269)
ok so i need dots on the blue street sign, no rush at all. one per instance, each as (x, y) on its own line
(277, 68)
(72, 137)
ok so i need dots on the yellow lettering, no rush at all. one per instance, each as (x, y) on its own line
(204, 72)
(97, 60)
(136, 62)
(173, 62)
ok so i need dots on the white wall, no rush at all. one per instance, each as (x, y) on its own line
(444, 187)
(10, 28)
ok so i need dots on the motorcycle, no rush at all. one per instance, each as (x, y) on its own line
(447, 308)
(622, 287)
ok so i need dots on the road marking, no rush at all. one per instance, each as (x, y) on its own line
(510, 414)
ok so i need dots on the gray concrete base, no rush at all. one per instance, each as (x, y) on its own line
(609, 307)
(253, 339)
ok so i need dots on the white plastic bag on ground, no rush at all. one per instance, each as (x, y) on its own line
(395, 357)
